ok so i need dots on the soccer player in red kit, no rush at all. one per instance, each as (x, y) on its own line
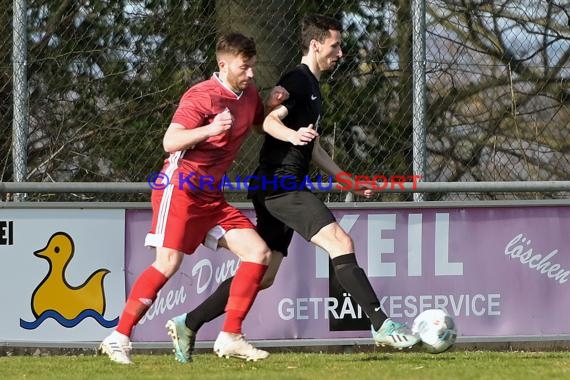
(212, 121)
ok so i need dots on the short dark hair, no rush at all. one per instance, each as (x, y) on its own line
(236, 44)
(317, 27)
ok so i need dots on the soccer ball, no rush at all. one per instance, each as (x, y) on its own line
(436, 329)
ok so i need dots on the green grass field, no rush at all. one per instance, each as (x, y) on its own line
(451, 365)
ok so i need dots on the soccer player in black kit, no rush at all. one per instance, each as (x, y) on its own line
(284, 205)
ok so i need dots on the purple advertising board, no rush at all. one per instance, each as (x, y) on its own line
(499, 271)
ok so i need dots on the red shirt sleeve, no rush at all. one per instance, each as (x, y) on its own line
(193, 109)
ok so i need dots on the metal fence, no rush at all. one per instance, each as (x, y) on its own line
(89, 87)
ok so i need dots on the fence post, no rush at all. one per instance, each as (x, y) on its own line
(419, 97)
(20, 93)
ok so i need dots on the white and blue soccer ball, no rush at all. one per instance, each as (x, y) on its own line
(436, 329)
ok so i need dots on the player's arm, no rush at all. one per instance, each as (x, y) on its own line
(277, 96)
(178, 137)
(322, 160)
(273, 125)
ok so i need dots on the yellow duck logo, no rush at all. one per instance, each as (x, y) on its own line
(54, 297)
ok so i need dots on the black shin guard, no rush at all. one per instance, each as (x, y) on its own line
(353, 279)
(211, 308)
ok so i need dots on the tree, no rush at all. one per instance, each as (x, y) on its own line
(105, 78)
(498, 88)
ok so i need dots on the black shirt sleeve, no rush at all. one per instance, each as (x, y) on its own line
(295, 83)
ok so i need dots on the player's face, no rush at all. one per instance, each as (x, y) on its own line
(238, 71)
(329, 51)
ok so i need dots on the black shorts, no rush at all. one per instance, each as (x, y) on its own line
(280, 214)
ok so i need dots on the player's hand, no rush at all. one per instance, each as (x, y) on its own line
(304, 135)
(222, 123)
(364, 190)
(277, 96)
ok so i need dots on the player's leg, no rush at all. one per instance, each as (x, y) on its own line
(276, 235)
(307, 215)
(254, 255)
(168, 235)
(183, 328)
(143, 293)
(215, 304)
(333, 239)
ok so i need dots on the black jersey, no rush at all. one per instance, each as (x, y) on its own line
(279, 159)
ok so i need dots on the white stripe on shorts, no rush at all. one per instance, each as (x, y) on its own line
(157, 239)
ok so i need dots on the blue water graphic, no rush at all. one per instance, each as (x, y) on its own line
(66, 322)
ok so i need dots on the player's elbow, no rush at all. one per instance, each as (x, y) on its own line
(174, 135)
(266, 123)
(169, 145)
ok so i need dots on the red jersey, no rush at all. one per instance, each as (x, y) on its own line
(204, 165)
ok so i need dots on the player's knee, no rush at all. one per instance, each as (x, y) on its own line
(168, 261)
(168, 269)
(260, 255)
(344, 241)
(266, 255)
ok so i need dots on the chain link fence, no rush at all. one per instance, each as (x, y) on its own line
(104, 78)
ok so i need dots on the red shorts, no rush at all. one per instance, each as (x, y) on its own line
(182, 221)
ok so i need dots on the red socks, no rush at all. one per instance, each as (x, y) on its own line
(142, 295)
(243, 290)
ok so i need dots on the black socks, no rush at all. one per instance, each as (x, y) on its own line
(353, 279)
(349, 275)
(211, 308)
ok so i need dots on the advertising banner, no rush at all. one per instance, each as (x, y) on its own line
(499, 271)
(61, 277)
